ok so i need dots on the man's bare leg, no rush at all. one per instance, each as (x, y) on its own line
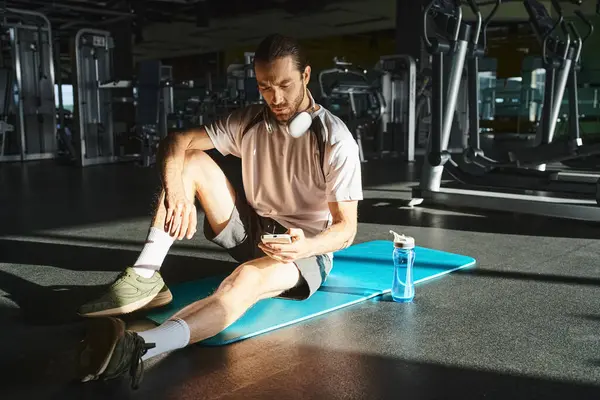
(250, 282)
(253, 281)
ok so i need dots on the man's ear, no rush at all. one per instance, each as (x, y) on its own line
(306, 75)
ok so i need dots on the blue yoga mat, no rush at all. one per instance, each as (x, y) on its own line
(360, 272)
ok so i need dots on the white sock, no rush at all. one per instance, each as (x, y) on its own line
(172, 335)
(154, 252)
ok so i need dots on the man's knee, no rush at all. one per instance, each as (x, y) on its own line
(258, 279)
(201, 169)
(245, 276)
(244, 284)
(194, 161)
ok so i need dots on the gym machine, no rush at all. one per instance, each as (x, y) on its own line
(242, 87)
(399, 92)
(95, 139)
(481, 182)
(591, 162)
(151, 93)
(346, 87)
(559, 70)
(210, 102)
(447, 15)
(28, 110)
(406, 121)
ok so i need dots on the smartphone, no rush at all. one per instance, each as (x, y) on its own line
(282, 238)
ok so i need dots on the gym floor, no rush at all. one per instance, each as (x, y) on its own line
(523, 324)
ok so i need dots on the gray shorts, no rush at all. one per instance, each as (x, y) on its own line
(241, 237)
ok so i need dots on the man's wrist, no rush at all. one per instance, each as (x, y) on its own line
(311, 247)
(172, 173)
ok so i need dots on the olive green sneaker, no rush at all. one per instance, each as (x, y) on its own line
(130, 292)
(108, 351)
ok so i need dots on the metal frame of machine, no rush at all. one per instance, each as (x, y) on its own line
(91, 98)
(399, 90)
(33, 105)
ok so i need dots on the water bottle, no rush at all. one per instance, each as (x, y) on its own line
(403, 286)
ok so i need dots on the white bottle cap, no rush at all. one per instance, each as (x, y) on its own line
(403, 241)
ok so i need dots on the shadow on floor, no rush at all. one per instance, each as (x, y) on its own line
(322, 373)
(524, 276)
(311, 372)
(589, 317)
(33, 355)
(58, 303)
(39, 336)
(91, 258)
(93, 253)
(395, 212)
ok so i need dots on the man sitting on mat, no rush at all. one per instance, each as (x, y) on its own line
(301, 176)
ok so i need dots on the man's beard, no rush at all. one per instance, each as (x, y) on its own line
(282, 119)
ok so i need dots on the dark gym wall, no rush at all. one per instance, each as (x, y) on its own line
(409, 27)
(122, 34)
(509, 46)
(361, 49)
(123, 69)
(590, 56)
(365, 49)
(196, 66)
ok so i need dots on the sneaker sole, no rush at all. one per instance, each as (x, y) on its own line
(161, 299)
(100, 341)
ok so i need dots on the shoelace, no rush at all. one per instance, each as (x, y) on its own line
(136, 370)
(122, 274)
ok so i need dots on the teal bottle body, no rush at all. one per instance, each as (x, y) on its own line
(403, 284)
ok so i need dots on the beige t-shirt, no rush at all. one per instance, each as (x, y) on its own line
(281, 174)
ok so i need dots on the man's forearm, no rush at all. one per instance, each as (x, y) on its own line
(172, 151)
(337, 237)
(171, 155)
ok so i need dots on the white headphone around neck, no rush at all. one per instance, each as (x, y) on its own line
(300, 123)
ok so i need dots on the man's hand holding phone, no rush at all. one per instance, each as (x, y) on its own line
(286, 248)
